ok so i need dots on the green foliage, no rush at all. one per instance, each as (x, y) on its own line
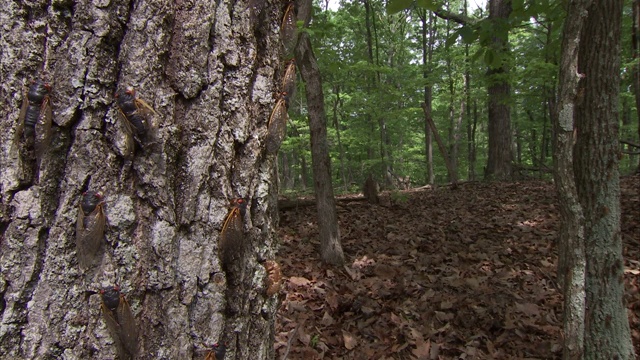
(380, 85)
(398, 197)
(394, 6)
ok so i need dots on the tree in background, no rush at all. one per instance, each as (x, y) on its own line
(499, 165)
(330, 247)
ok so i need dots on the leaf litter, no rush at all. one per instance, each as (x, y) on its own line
(437, 274)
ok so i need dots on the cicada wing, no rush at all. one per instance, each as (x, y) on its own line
(81, 247)
(129, 331)
(128, 133)
(231, 236)
(277, 127)
(289, 79)
(114, 330)
(147, 114)
(43, 129)
(90, 234)
(289, 29)
(255, 7)
(144, 108)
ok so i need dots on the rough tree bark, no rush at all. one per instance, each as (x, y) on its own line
(209, 69)
(571, 252)
(607, 334)
(499, 165)
(330, 247)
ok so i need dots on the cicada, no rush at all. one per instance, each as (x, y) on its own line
(120, 322)
(232, 233)
(218, 352)
(274, 277)
(90, 227)
(136, 117)
(289, 81)
(34, 121)
(255, 8)
(277, 126)
(289, 29)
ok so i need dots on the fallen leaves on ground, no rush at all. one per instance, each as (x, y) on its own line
(439, 273)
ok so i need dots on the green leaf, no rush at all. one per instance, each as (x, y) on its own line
(477, 54)
(468, 34)
(489, 57)
(427, 4)
(452, 39)
(394, 6)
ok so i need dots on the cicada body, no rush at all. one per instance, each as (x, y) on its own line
(277, 126)
(218, 352)
(255, 8)
(120, 322)
(34, 121)
(136, 117)
(274, 277)
(232, 233)
(90, 227)
(289, 29)
(289, 81)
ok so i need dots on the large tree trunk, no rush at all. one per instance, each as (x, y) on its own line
(571, 251)
(208, 69)
(499, 165)
(607, 334)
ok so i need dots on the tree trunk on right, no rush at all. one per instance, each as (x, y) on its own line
(607, 334)
(499, 161)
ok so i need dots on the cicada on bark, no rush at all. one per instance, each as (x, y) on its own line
(274, 277)
(277, 126)
(120, 322)
(289, 81)
(136, 116)
(289, 29)
(90, 227)
(255, 7)
(218, 352)
(34, 121)
(232, 233)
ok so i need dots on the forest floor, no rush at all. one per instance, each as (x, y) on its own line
(437, 274)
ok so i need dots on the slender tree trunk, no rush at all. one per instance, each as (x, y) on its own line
(607, 333)
(456, 137)
(499, 165)
(518, 144)
(635, 46)
(472, 150)
(336, 124)
(208, 72)
(304, 172)
(331, 249)
(428, 28)
(467, 115)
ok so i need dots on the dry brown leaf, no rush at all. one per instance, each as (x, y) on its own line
(303, 336)
(350, 341)
(422, 350)
(327, 319)
(298, 281)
